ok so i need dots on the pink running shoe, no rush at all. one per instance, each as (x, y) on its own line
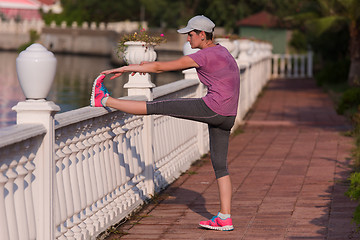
(98, 92)
(216, 223)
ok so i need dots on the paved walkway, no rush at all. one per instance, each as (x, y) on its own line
(289, 169)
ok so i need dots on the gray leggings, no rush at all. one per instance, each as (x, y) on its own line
(196, 109)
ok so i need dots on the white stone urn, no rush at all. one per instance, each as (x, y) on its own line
(188, 50)
(137, 52)
(235, 52)
(246, 50)
(36, 67)
(225, 42)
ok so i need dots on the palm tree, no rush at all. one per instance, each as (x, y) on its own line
(321, 15)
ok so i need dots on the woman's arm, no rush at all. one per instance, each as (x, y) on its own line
(154, 67)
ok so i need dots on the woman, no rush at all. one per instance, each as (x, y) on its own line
(216, 69)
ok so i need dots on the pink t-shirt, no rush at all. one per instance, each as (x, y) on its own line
(218, 71)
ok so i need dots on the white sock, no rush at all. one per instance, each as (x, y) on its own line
(103, 101)
(223, 216)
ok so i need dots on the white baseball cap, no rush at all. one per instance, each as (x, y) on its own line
(199, 22)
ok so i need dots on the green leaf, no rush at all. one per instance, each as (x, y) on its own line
(321, 25)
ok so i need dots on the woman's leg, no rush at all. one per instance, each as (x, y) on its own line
(219, 133)
(219, 141)
(193, 109)
(128, 106)
(225, 192)
(186, 108)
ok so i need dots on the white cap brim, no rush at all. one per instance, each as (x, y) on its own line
(185, 30)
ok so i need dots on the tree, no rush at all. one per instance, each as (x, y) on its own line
(169, 13)
(321, 16)
(96, 11)
(220, 10)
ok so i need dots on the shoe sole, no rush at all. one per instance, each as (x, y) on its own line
(92, 98)
(225, 228)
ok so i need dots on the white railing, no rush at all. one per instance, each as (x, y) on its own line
(23, 27)
(73, 175)
(19, 145)
(292, 66)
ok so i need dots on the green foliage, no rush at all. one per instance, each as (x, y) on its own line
(356, 120)
(332, 29)
(349, 101)
(333, 72)
(51, 17)
(34, 36)
(95, 11)
(320, 25)
(143, 36)
(354, 193)
(191, 173)
(168, 13)
(356, 135)
(238, 130)
(298, 41)
(354, 189)
(326, 28)
(335, 49)
(220, 12)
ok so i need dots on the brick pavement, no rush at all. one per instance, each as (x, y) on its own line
(288, 168)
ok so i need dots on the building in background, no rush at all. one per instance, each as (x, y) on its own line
(27, 9)
(19, 10)
(266, 27)
(50, 5)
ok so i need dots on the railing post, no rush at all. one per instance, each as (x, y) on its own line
(309, 64)
(275, 58)
(282, 65)
(200, 92)
(142, 85)
(289, 73)
(269, 60)
(36, 70)
(296, 66)
(302, 67)
(41, 111)
(244, 61)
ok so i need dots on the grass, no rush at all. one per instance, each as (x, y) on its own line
(191, 172)
(237, 131)
(347, 101)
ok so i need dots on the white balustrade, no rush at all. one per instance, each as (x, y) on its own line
(73, 175)
(18, 148)
(292, 66)
(254, 61)
(24, 26)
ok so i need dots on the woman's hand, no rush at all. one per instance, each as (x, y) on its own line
(116, 71)
(119, 71)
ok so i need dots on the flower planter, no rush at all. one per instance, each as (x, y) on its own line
(137, 52)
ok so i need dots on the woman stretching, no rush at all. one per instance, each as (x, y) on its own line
(217, 70)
